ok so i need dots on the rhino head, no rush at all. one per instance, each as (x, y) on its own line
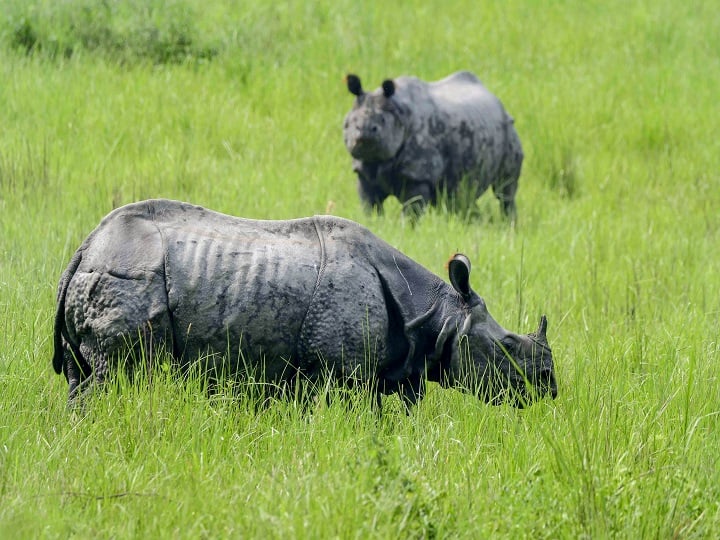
(485, 358)
(373, 129)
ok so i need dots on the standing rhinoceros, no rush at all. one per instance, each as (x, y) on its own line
(411, 138)
(296, 298)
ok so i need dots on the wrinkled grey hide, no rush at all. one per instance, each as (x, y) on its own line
(412, 138)
(290, 299)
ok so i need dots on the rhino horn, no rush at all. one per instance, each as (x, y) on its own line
(353, 84)
(541, 332)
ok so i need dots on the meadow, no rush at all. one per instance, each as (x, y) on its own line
(240, 109)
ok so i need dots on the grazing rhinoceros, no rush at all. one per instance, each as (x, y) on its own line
(412, 138)
(289, 299)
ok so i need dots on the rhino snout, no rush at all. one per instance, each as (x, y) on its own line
(546, 383)
(368, 134)
(367, 145)
(541, 376)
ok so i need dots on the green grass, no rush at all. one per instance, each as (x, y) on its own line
(240, 109)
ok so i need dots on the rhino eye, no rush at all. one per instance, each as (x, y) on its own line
(509, 343)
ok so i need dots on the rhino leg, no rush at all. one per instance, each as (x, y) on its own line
(506, 185)
(505, 189)
(371, 196)
(82, 383)
(78, 373)
(507, 205)
(115, 319)
(130, 351)
(415, 197)
(410, 390)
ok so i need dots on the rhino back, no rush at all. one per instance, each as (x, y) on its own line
(462, 95)
(466, 124)
(240, 286)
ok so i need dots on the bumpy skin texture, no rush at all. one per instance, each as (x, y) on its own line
(288, 299)
(412, 138)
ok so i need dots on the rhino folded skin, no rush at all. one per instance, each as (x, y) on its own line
(290, 299)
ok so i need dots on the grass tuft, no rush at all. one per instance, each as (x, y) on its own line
(160, 32)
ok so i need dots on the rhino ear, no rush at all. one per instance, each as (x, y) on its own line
(353, 84)
(388, 87)
(459, 272)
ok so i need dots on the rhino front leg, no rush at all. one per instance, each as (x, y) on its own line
(412, 391)
(371, 196)
(370, 185)
(415, 197)
(416, 184)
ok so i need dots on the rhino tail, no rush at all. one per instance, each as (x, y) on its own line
(60, 326)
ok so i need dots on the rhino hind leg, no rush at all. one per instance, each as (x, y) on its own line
(83, 384)
(77, 371)
(506, 185)
(508, 207)
(115, 321)
(504, 189)
(131, 352)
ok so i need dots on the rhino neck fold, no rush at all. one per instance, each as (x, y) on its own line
(303, 335)
(429, 335)
(323, 255)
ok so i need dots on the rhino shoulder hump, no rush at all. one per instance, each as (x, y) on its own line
(464, 76)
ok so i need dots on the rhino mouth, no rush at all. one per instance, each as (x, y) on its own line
(541, 384)
(519, 383)
(369, 149)
(518, 395)
(546, 384)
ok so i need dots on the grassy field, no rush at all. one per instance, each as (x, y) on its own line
(240, 109)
